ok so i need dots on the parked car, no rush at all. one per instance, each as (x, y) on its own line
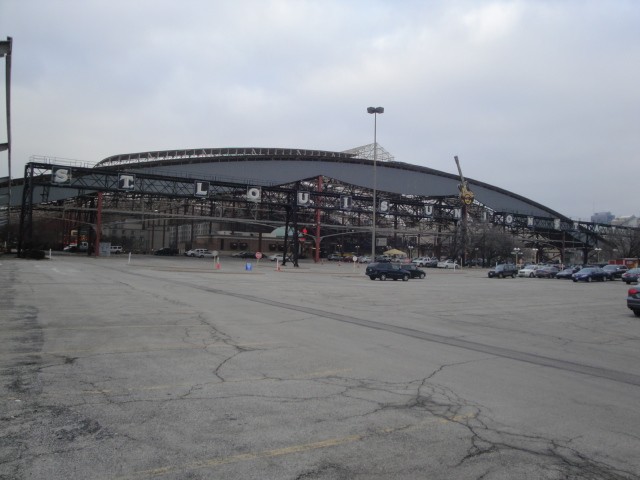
(166, 251)
(364, 259)
(547, 272)
(589, 274)
(198, 252)
(447, 264)
(279, 257)
(503, 270)
(73, 247)
(433, 263)
(615, 271)
(116, 249)
(384, 270)
(475, 262)
(414, 270)
(244, 254)
(421, 261)
(528, 271)
(633, 300)
(567, 273)
(335, 257)
(631, 275)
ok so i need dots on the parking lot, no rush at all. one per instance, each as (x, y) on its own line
(174, 367)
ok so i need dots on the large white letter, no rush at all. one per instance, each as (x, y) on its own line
(60, 175)
(254, 194)
(126, 182)
(202, 189)
(303, 199)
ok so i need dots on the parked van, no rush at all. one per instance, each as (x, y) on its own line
(116, 249)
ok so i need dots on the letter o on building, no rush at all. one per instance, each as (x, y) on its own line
(254, 194)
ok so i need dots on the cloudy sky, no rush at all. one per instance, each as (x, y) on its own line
(539, 97)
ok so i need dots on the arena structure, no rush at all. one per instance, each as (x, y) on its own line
(228, 199)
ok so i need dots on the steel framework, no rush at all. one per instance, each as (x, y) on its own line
(326, 201)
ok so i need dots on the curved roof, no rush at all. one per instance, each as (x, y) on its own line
(279, 166)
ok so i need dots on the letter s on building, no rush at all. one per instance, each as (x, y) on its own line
(61, 175)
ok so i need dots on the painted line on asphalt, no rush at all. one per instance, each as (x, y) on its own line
(291, 450)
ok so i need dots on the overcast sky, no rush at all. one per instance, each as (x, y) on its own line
(541, 98)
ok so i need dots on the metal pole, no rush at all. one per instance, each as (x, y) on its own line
(317, 239)
(98, 225)
(375, 182)
(375, 111)
(5, 51)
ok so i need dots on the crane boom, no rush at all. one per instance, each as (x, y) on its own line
(466, 195)
(459, 169)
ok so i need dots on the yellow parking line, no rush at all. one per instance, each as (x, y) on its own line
(329, 443)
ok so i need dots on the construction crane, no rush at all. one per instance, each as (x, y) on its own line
(466, 195)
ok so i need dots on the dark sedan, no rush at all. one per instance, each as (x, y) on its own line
(615, 271)
(414, 271)
(244, 254)
(633, 300)
(567, 273)
(384, 270)
(166, 251)
(590, 274)
(546, 272)
(631, 275)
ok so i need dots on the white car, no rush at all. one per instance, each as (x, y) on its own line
(421, 261)
(364, 259)
(199, 252)
(448, 264)
(279, 257)
(528, 271)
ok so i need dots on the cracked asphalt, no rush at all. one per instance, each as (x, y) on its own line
(153, 367)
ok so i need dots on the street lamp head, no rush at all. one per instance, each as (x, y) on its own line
(375, 109)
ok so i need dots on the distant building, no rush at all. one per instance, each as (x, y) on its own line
(629, 221)
(602, 217)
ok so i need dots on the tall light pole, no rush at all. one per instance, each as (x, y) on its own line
(375, 111)
(5, 51)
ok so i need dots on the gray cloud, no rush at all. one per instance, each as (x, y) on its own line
(538, 97)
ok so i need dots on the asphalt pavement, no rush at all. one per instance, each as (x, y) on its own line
(137, 367)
